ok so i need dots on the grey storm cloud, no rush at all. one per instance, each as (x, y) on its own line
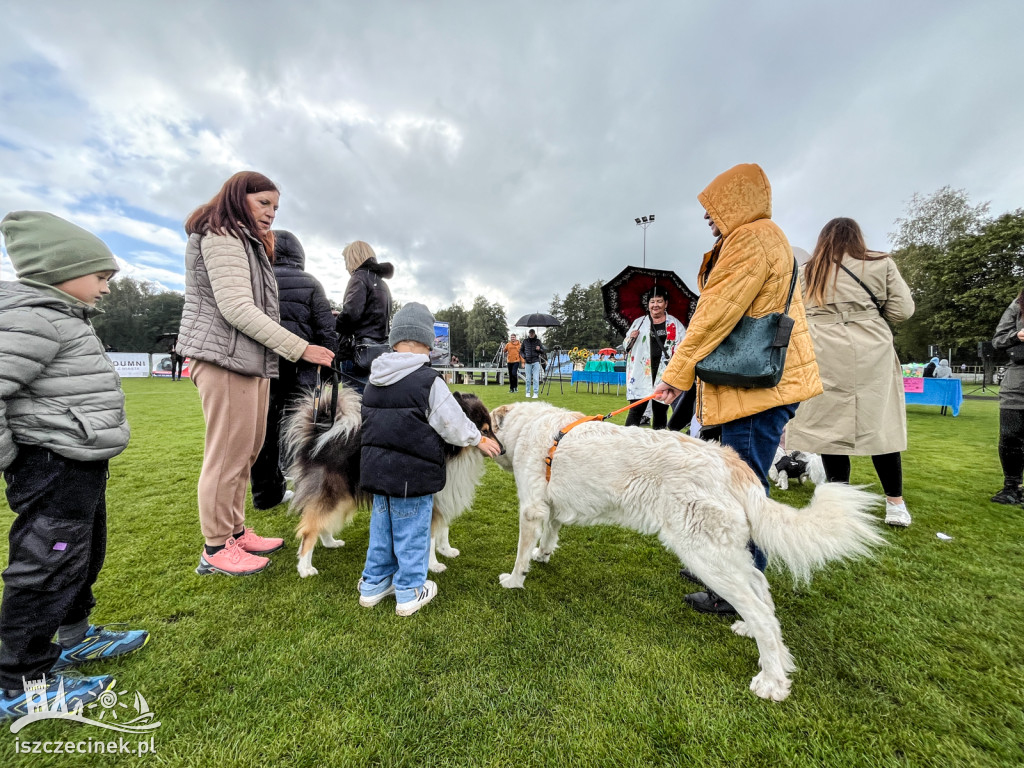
(504, 149)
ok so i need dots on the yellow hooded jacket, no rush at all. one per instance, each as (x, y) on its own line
(747, 273)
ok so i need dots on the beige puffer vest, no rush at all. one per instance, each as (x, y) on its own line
(238, 326)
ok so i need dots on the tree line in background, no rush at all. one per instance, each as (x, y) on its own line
(135, 315)
(964, 267)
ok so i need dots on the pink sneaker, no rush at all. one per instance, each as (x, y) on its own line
(231, 561)
(258, 545)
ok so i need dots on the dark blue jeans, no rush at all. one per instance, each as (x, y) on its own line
(755, 438)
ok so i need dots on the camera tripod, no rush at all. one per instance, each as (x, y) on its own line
(554, 366)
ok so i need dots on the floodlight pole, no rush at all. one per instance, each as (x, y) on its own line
(644, 222)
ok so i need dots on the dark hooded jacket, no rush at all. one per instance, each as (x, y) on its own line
(305, 310)
(366, 313)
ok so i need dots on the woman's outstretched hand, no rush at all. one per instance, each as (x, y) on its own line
(317, 355)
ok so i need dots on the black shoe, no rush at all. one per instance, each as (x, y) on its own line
(709, 602)
(689, 575)
(1009, 495)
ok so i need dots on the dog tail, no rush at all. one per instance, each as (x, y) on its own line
(836, 525)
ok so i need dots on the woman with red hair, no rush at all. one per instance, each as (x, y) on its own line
(230, 328)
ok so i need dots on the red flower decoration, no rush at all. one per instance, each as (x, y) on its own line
(670, 332)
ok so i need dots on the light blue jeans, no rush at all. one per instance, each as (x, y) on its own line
(533, 374)
(399, 546)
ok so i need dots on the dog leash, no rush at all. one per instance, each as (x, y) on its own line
(599, 417)
(319, 388)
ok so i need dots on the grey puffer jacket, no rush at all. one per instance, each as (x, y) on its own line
(231, 316)
(57, 388)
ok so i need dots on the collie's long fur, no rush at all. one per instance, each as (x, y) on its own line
(702, 501)
(323, 458)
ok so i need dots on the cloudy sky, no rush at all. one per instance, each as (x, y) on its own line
(502, 149)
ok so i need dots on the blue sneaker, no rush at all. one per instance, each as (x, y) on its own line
(101, 642)
(78, 691)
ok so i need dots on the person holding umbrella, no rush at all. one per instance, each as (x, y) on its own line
(650, 343)
(531, 351)
(747, 272)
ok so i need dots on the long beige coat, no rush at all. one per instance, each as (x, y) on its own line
(862, 411)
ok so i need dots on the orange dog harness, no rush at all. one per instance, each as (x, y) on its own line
(565, 430)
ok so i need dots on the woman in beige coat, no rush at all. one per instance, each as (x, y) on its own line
(849, 293)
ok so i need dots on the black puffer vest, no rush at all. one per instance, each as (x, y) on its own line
(402, 455)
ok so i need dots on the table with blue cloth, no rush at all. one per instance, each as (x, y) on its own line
(603, 379)
(946, 393)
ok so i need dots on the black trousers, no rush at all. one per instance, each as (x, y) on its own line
(888, 467)
(513, 377)
(1011, 445)
(57, 544)
(176, 362)
(267, 479)
(659, 415)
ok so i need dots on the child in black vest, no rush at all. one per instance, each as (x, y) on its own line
(408, 415)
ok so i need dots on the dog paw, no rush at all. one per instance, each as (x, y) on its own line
(540, 555)
(740, 628)
(511, 581)
(436, 567)
(448, 551)
(307, 570)
(326, 540)
(767, 688)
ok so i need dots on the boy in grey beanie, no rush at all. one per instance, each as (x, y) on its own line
(408, 415)
(61, 419)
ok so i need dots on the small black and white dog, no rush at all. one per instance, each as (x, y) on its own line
(797, 465)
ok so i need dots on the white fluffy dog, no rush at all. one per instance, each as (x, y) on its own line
(799, 466)
(702, 501)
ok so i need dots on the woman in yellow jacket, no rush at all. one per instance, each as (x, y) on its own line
(748, 272)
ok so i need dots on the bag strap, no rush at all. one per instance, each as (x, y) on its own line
(792, 285)
(874, 299)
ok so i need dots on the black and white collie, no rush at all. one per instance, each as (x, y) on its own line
(324, 463)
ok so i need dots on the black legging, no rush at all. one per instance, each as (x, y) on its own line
(1011, 445)
(659, 415)
(513, 376)
(888, 467)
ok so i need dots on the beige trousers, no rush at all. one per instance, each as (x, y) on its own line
(235, 410)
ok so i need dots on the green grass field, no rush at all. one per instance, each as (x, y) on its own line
(913, 658)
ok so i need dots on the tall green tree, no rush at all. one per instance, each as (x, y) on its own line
(583, 321)
(932, 242)
(135, 314)
(486, 330)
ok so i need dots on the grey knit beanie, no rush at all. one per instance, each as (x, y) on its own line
(47, 250)
(413, 322)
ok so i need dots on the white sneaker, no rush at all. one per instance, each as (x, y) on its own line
(424, 595)
(896, 514)
(368, 601)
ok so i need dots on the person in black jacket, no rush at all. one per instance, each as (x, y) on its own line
(365, 316)
(305, 312)
(532, 350)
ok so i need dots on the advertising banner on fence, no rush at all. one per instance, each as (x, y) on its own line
(130, 364)
(441, 354)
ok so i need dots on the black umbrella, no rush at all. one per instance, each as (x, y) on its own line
(626, 294)
(539, 320)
